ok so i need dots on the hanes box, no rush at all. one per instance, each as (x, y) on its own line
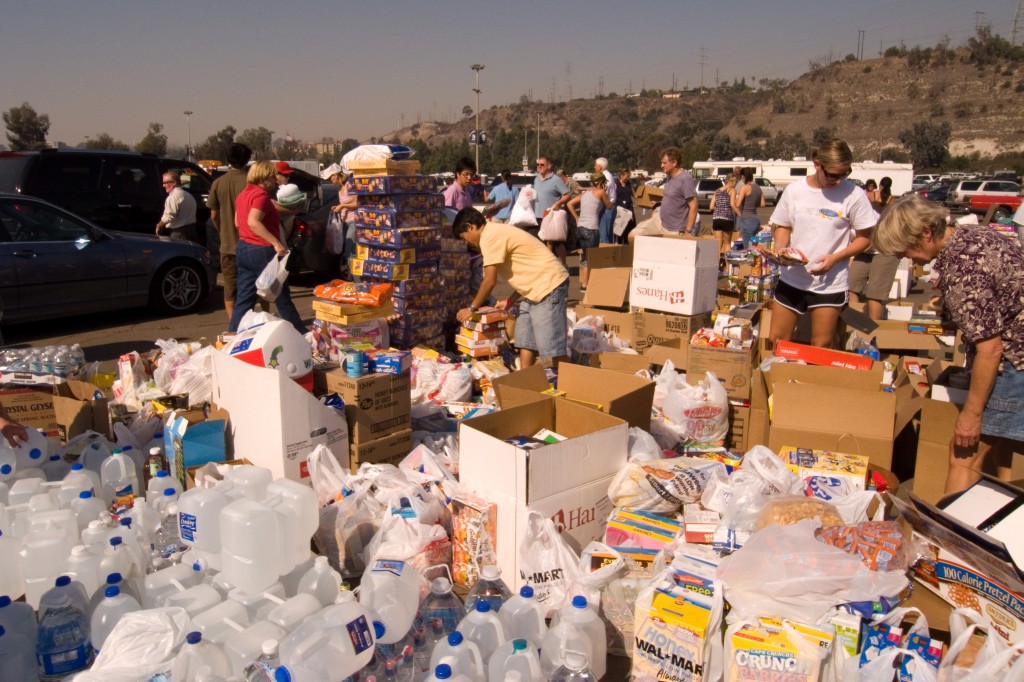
(674, 274)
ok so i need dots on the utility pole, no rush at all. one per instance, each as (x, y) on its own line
(478, 68)
(703, 62)
(860, 45)
(188, 128)
(1018, 17)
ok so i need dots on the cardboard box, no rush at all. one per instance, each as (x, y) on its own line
(675, 350)
(739, 427)
(824, 357)
(376, 405)
(193, 438)
(651, 328)
(190, 473)
(646, 196)
(674, 274)
(567, 481)
(968, 567)
(630, 363)
(903, 281)
(624, 396)
(733, 368)
(901, 311)
(80, 406)
(949, 383)
(938, 419)
(275, 423)
(31, 406)
(844, 410)
(390, 449)
(365, 313)
(619, 323)
(758, 426)
(892, 335)
(608, 285)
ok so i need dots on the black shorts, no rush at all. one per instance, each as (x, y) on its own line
(800, 301)
(723, 224)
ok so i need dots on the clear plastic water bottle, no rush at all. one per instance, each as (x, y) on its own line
(19, 618)
(443, 604)
(167, 541)
(16, 658)
(107, 614)
(491, 588)
(576, 668)
(262, 669)
(62, 645)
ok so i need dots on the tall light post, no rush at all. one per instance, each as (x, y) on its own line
(478, 68)
(188, 127)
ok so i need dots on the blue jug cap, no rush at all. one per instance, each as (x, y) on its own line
(112, 591)
(282, 675)
(526, 592)
(63, 581)
(77, 466)
(519, 645)
(5, 601)
(579, 602)
(115, 541)
(194, 637)
(162, 474)
(378, 629)
(443, 671)
(169, 492)
(455, 638)
(6, 469)
(114, 578)
(35, 453)
(85, 495)
(483, 606)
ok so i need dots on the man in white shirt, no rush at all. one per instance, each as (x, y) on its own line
(179, 218)
(607, 220)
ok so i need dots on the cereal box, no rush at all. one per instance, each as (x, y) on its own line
(391, 184)
(389, 217)
(402, 237)
(773, 646)
(804, 463)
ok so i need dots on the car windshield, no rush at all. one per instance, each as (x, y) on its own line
(26, 221)
(12, 169)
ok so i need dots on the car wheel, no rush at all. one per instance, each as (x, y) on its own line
(178, 288)
(1001, 213)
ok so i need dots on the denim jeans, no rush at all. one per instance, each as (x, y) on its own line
(251, 261)
(606, 223)
(749, 226)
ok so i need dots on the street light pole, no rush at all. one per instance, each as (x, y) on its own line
(478, 68)
(188, 126)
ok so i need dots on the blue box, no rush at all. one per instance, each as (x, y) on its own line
(389, 361)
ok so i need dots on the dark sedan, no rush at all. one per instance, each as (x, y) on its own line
(54, 263)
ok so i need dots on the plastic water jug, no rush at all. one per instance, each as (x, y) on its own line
(195, 599)
(245, 645)
(83, 566)
(94, 454)
(4, 493)
(116, 559)
(206, 674)
(8, 463)
(145, 521)
(589, 623)
(12, 578)
(297, 503)
(22, 490)
(86, 508)
(482, 627)
(62, 645)
(249, 482)
(523, 616)
(77, 480)
(290, 612)
(108, 612)
(43, 552)
(443, 604)
(19, 618)
(461, 655)
(30, 453)
(55, 468)
(214, 623)
(490, 588)
(64, 586)
(291, 579)
(156, 587)
(159, 483)
(120, 480)
(17, 659)
(575, 669)
(560, 638)
(113, 580)
(321, 581)
(199, 521)
(391, 591)
(258, 604)
(331, 645)
(197, 653)
(96, 536)
(251, 545)
(444, 673)
(514, 655)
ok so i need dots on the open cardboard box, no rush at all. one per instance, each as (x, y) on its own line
(608, 285)
(31, 406)
(629, 363)
(567, 481)
(844, 410)
(892, 336)
(616, 393)
(193, 438)
(275, 423)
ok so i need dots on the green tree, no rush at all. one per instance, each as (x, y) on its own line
(105, 141)
(216, 145)
(25, 128)
(467, 111)
(155, 142)
(821, 135)
(928, 142)
(258, 140)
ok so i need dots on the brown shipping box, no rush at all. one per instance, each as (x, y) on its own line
(733, 368)
(376, 405)
(650, 328)
(829, 408)
(892, 335)
(610, 268)
(676, 350)
(80, 406)
(390, 449)
(616, 393)
(629, 363)
(938, 419)
(31, 406)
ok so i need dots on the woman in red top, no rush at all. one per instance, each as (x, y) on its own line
(259, 241)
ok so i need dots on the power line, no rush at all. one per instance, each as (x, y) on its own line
(703, 61)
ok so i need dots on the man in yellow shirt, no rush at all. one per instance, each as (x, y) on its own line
(539, 281)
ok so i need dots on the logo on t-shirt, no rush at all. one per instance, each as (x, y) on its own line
(828, 213)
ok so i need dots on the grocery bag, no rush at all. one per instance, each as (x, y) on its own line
(334, 235)
(522, 213)
(622, 217)
(555, 226)
(546, 562)
(271, 280)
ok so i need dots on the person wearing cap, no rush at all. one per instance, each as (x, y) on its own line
(179, 218)
(345, 209)
(607, 215)
(221, 202)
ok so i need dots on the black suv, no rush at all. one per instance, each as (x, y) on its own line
(115, 190)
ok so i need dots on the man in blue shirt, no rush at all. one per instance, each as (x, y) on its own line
(503, 197)
(552, 193)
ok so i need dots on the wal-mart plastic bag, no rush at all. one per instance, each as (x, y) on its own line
(546, 562)
(271, 281)
(993, 659)
(195, 377)
(326, 474)
(141, 645)
(785, 571)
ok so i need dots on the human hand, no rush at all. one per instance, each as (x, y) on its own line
(967, 431)
(15, 433)
(280, 249)
(502, 304)
(463, 314)
(823, 264)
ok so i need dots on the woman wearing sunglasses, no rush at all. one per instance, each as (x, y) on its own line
(817, 215)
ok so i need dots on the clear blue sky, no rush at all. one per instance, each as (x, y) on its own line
(359, 69)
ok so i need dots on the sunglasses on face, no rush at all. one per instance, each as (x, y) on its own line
(836, 176)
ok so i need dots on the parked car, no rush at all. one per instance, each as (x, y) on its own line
(958, 198)
(115, 190)
(920, 181)
(54, 263)
(306, 241)
(770, 191)
(1003, 205)
(705, 190)
(939, 192)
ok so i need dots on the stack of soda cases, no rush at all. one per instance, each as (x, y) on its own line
(398, 240)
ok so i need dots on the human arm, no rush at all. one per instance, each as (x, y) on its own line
(255, 222)
(571, 207)
(988, 356)
(737, 199)
(14, 432)
(858, 244)
(781, 235)
(482, 294)
(691, 217)
(605, 199)
(345, 202)
(762, 200)
(171, 206)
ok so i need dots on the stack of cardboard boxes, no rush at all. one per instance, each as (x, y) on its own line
(483, 335)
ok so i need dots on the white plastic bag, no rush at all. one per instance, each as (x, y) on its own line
(334, 235)
(271, 280)
(590, 583)
(662, 486)
(993, 659)
(142, 644)
(522, 213)
(555, 226)
(547, 563)
(698, 413)
(195, 377)
(642, 446)
(622, 217)
(326, 474)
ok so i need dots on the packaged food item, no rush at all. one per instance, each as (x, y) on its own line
(640, 529)
(785, 256)
(879, 544)
(805, 462)
(354, 293)
(930, 651)
(390, 271)
(391, 184)
(791, 651)
(387, 254)
(404, 202)
(699, 524)
(475, 537)
(401, 237)
(879, 637)
(785, 510)
(390, 361)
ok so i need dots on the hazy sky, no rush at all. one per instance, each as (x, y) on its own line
(358, 69)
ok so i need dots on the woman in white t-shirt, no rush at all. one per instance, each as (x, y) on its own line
(816, 215)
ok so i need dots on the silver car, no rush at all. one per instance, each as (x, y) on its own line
(771, 192)
(54, 263)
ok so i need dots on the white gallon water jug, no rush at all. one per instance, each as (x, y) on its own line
(390, 589)
(331, 645)
(30, 453)
(251, 545)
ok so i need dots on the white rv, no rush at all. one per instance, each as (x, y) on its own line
(781, 172)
